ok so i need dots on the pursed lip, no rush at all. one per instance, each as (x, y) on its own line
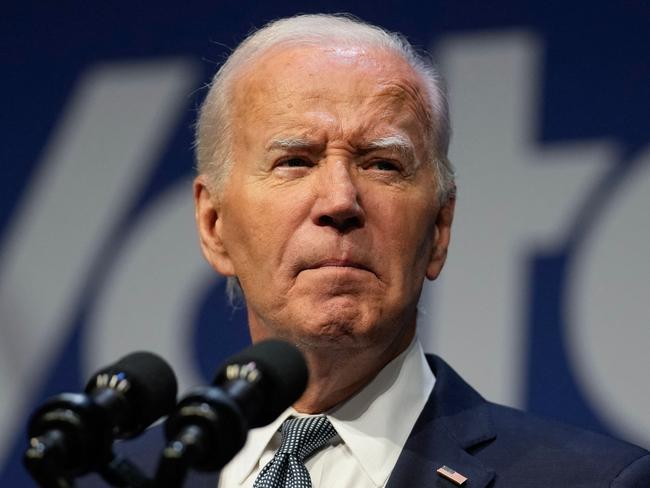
(339, 263)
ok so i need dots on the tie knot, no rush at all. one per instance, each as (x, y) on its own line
(303, 436)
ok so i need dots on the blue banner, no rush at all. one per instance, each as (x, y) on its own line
(547, 287)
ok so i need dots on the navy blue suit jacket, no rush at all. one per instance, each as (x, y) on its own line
(500, 447)
(493, 446)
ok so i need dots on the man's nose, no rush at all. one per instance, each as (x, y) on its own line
(338, 202)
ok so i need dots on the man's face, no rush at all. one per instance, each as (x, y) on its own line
(329, 218)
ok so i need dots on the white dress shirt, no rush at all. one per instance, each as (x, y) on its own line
(372, 428)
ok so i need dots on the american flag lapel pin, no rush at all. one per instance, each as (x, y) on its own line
(453, 476)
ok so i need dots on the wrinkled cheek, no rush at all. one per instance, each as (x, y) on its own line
(404, 285)
(417, 257)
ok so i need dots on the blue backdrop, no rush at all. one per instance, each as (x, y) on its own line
(98, 255)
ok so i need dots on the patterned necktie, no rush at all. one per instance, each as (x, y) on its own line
(301, 437)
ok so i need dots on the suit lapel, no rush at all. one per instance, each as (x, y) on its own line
(453, 422)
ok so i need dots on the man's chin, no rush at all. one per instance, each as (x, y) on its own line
(323, 328)
(316, 321)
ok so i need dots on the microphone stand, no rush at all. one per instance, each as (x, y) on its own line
(41, 462)
(178, 457)
(40, 465)
(121, 472)
(204, 433)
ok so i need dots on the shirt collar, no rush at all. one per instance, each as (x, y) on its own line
(366, 423)
(247, 459)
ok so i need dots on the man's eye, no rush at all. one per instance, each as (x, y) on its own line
(384, 165)
(295, 162)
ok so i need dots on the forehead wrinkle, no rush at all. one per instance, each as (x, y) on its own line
(395, 96)
(408, 93)
(404, 97)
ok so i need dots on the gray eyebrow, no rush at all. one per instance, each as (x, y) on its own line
(397, 143)
(292, 143)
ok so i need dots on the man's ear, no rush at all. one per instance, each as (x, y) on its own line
(441, 238)
(210, 226)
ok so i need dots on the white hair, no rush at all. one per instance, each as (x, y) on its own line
(213, 129)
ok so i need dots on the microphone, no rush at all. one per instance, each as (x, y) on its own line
(72, 434)
(210, 425)
(264, 380)
(135, 391)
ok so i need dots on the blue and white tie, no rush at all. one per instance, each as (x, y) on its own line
(301, 437)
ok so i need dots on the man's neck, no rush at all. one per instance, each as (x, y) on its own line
(336, 375)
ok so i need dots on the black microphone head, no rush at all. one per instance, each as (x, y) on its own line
(148, 387)
(276, 368)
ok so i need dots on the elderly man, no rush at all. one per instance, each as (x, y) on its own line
(326, 196)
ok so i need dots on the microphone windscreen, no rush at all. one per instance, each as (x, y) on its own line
(284, 375)
(153, 385)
